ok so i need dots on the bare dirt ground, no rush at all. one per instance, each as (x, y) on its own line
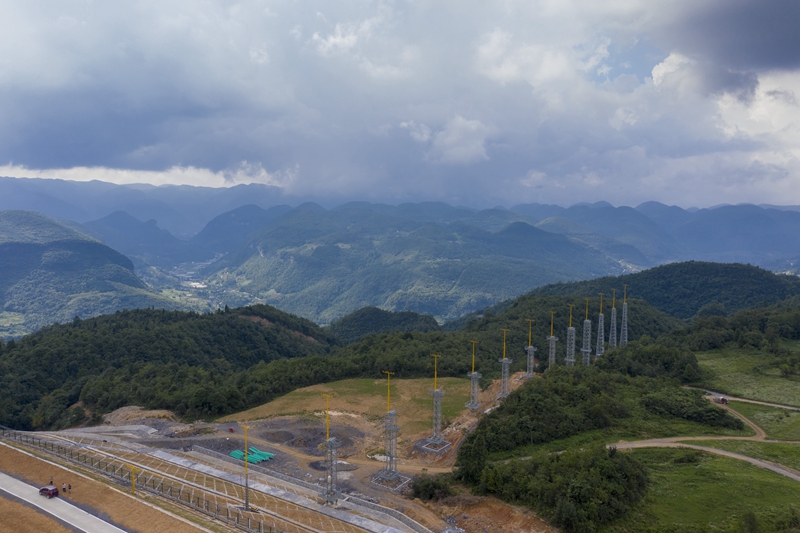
(20, 518)
(489, 515)
(96, 497)
(357, 421)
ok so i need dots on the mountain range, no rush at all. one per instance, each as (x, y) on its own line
(203, 248)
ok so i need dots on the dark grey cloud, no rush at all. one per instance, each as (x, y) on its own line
(469, 102)
(740, 35)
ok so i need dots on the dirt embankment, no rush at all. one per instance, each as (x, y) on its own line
(107, 502)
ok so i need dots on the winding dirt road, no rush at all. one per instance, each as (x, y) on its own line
(760, 436)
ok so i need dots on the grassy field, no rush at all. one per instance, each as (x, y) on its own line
(411, 399)
(777, 452)
(692, 491)
(629, 429)
(732, 373)
(781, 424)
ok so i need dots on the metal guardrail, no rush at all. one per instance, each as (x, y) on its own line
(397, 515)
(150, 483)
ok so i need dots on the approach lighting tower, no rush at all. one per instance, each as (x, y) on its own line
(612, 332)
(601, 331)
(331, 491)
(623, 332)
(504, 362)
(389, 473)
(551, 361)
(474, 379)
(586, 350)
(570, 359)
(531, 350)
(437, 404)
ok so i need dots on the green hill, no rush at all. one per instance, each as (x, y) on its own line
(168, 359)
(681, 289)
(325, 264)
(52, 273)
(371, 320)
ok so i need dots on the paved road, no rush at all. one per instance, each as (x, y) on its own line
(57, 507)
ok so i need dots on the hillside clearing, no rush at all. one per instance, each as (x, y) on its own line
(732, 373)
(411, 398)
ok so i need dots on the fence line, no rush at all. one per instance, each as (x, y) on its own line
(405, 519)
(151, 483)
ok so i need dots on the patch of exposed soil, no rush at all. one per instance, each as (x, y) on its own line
(308, 436)
(489, 515)
(127, 415)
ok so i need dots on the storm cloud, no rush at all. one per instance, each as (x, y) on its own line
(687, 102)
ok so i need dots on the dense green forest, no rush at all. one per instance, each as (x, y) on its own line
(371, 321)
(633, 392)
(681, 289)
(206, 365)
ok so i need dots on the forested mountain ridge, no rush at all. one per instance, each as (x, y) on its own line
(51, 273)
(326, 264)
(214, 364)
(174, 359)
(681, 289)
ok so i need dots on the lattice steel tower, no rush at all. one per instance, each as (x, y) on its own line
(389, 472)
(530, 349)
(586, 348)
(551, 361)
(623, 333)
(331, 492)
(612, 331)
(437, 403)
(474, 379)
(569, 360)
(601, 331)
(504, 362)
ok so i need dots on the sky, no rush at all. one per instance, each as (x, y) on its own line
(686, 102)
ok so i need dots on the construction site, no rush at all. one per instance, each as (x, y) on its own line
(322, 459)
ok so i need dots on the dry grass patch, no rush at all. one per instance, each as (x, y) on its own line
(411, 398)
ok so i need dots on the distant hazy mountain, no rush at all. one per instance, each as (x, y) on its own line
(52, 273)
(623, 224)
(615, 249)
(229, 231)
(182, 210)
(145, 240)
(325, 264)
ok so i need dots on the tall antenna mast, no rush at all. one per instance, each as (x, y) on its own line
(474, 380)
(388, 390)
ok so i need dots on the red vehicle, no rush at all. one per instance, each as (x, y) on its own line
(49, 491)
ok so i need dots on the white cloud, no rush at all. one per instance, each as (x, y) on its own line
(670, 65)
(202, 177)
(418, 132)
(632, 99)
(461, 142)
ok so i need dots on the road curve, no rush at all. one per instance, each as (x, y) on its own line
(665, 443)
